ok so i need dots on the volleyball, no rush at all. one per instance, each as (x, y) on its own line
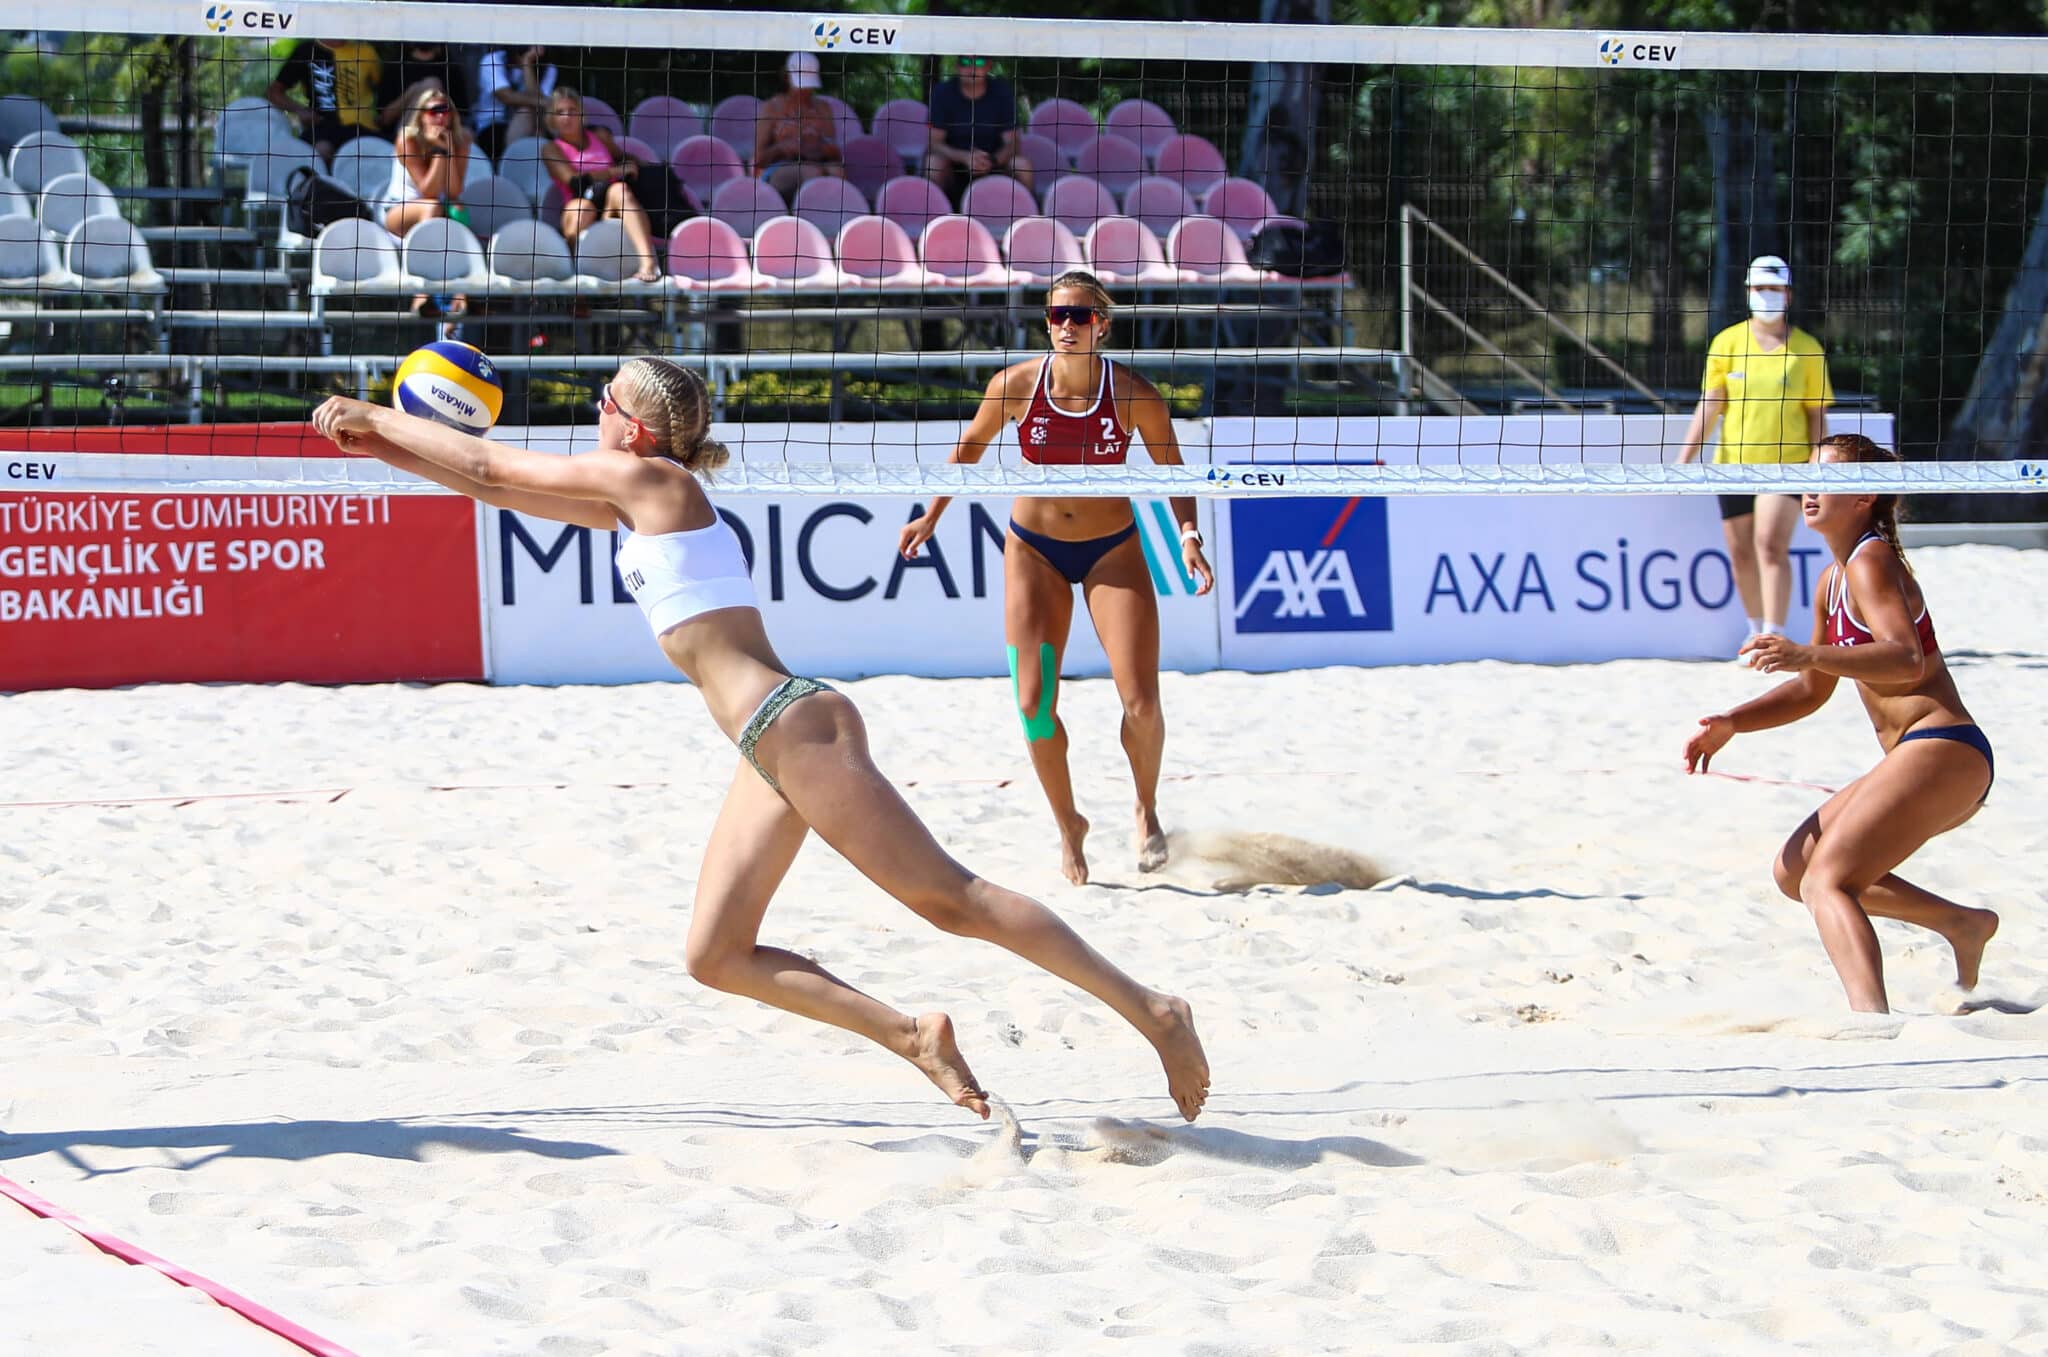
(450, 383)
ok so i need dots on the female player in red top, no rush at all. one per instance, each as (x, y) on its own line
(1872, 627)
(1077, 408)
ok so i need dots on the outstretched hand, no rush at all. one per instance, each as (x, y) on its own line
(1714, 732)
(1774, 654)
(343, 421)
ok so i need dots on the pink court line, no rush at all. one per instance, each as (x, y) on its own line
(130, 1253)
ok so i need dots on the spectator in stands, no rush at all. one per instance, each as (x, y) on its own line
(797, 136)
(512, 97)
(974, 130)
(340, 80)
(596, 179)
(421, 64)
(1767, 388)
(427, 174)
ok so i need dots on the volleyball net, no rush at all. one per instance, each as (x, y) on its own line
(1356, 260)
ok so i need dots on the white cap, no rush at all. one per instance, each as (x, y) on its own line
(1767, 270)
(802, 68)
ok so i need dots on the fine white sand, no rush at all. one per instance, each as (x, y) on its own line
(421, 1068)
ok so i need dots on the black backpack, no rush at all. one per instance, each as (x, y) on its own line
(1298, 250)
(312, 200)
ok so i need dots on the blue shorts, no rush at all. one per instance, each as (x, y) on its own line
(1967, 734)
(1073, 559)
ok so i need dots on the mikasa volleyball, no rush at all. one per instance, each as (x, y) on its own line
(451, 383)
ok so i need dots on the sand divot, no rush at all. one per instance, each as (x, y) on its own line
(1237, 860)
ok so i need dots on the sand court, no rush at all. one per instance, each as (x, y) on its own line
(403, 1047)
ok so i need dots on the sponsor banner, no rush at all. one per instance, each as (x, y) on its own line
(105, 589)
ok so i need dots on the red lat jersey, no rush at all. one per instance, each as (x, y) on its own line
(1845, 628)
(1051, 436)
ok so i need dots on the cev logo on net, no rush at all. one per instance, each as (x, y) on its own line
(259, 18)
(1616, 51)
(828, 34)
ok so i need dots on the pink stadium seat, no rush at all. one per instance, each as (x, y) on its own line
(1242, 205)
(1192, 160)
(703, 163)
(743, 204)
(1111, 161)
(996, 200)
(1159, 202)
(1040, 249)
(1067, 123)
(1123, 250)
(1044, 154)
(790, 252)
(959, 252)
(910, 201)
(1142, 121)
(732, 121)
(664, 122)
(1078, 202)
(875, 252)
(642, 150)
(905, 125)
(870, 164)
(598, 113)
(846, 120)
(707, 255)
(828, 204)
(1206, 250)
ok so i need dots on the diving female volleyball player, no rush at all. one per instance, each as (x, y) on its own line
(803, 748)
(1075, 407)
(1872, 626)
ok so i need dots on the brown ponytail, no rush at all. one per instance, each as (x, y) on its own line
(1885, 513)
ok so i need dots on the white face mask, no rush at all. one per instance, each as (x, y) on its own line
(1767, 305)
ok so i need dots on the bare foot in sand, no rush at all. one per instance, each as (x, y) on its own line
(934, 1051)
(1073, 864)
(1969, 943)
(1180, 1051)
(1151, 840)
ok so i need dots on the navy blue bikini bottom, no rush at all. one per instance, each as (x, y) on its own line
(1963, 734)
(1072, 559)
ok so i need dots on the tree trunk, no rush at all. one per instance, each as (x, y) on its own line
(1280, 128)
(1668, 359)
(1996, 420)
(1745, 199)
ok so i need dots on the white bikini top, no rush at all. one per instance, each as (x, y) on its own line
(675, 576)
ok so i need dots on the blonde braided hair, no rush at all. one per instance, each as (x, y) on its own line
(677, 413)
(1884, 514)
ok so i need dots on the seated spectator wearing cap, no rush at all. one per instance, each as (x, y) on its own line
(1767, 388)
(339, 78)
(797, 137)
(974, 129)
(420, 66)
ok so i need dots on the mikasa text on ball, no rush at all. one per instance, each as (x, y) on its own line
(451, 383)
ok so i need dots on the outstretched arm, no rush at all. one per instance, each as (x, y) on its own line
(1795, 700)
(1154, 423)
(982, 430)
(582, 512)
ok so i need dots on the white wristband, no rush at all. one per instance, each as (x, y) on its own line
(1191, 535)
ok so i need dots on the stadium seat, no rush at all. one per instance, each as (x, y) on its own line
(247, 129)
(996, 200)
(1144, 122)
(1040, 249)
(1123, 251)
(1111, 161)
(869, 164)
(13, 202)
(40, 157)
(28, 258)
(598, 113)
(790, 252)
(1044, 154)
(530, 257)
(109, 254)
(703, 163)
(642, 150)
(1159, 202)
(1078, 202)
(707, 255)
(443, 255)
(365, 165)
(846, 122)
(1193, 161)
(664, 123)
(1206, 250)
(828, 204)
(744, 204)
(904, 125)
(476, 169)
(355, 255)
(958, 251)
(70, 198)
(606, 260)
(1241, 205)
(21, 114)
(911, 200)
(876, 252)
(271, 172)
(521, 162)
(1066, 123)
(733, 121)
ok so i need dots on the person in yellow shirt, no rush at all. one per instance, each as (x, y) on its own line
(1767, 387)
(340, 80)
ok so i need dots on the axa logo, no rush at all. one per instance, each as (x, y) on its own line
(1310, 565)
(826, 35)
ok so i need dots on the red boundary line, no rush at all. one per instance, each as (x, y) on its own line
(130, 1253)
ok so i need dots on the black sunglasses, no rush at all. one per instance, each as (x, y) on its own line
(431, 110)
(1071, 315)
(976, 62)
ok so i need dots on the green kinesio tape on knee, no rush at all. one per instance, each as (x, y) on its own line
(1038, 725)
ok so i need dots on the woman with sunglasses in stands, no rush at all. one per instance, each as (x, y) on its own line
(596, 179)
(429, 170)
(804, 760)
(1077, 408)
